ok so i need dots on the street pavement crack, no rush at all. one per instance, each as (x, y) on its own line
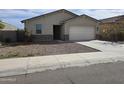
(72, 82)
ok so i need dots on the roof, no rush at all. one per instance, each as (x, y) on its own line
(49, 14)
(81, 16)
(112, 19)
(8, 27)
(90, 17)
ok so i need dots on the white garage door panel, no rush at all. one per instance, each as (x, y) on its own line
(81, 33)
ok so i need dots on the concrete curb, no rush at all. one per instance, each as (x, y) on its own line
(18, 66)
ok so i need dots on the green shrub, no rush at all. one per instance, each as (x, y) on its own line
(2, 26)
(111, 36)
(9, 55)
(12, 55)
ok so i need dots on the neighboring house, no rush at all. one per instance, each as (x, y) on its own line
(8, 33)
(112, 19)
(61, 25)
(111, 29)
(112, 23)
(8, 27)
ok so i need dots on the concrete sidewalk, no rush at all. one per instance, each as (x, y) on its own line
(17, 66)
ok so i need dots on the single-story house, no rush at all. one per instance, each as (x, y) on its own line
(61, 25)
(8, 32)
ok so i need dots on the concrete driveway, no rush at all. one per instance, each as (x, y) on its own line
(105, 46)
(108, 73)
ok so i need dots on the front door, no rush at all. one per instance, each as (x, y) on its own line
(56, 32)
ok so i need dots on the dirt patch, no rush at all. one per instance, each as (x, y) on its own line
(43, 49)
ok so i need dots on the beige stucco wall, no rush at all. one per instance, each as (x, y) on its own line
(79, 21)
(47, 22)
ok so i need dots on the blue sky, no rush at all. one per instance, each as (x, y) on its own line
(14, 16)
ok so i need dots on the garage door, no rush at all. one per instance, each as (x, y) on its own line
(81, 33)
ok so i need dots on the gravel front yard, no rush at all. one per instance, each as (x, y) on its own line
(43, 49)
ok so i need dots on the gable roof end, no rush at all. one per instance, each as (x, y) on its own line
(81, 16)
(91, 17)
(62, 10)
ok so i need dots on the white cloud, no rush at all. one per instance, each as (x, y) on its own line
(14, 16)
(100, 13)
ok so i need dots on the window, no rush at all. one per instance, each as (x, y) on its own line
(38, 28)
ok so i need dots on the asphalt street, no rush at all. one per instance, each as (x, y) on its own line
(105, 73)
